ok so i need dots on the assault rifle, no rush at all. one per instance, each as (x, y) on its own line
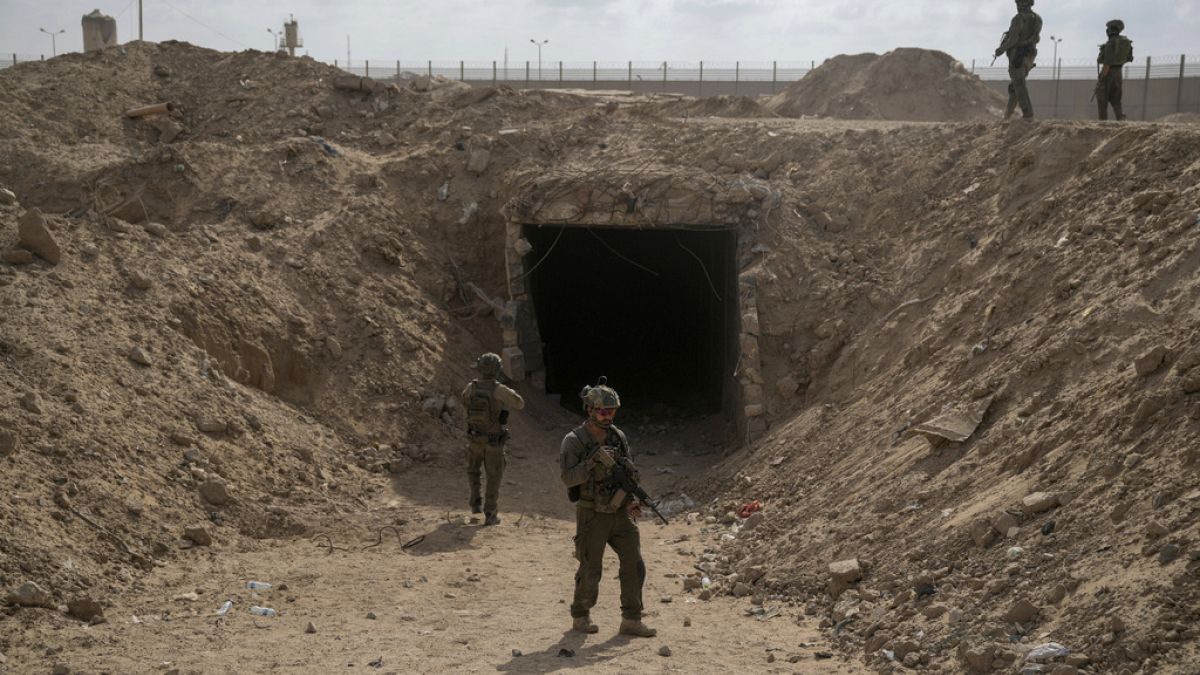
(1002, 39)
(622, 475)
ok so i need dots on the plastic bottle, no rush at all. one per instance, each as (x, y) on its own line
(258, 585)
(705, 582)
(263, 611)
(225, 608)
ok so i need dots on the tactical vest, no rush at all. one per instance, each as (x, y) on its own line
(1116, 52)
(483, 411)
(1029, 33)
(597, 491)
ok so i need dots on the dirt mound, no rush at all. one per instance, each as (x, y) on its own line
(1180, 118)
(903, 84)
(713, 106)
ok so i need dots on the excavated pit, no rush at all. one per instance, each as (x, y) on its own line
(653, 310)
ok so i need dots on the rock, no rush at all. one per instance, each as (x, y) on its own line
(85, 609)
(214, 492)
(1151, 361)
(17, 256)
(741, 589)
(35, 236)
(32, 402)
(787, 386)
(1003, 522)
(1022, 611)
(982, 533)
(517, 653)
(912, 659)
(1039, 502)
(902, 648)
(199, 535)
(168, 130)
(9, 442)
(60, 669)
(979, 659)
(705, 594)
(211, 425)
(7, 197)
(140, 357)
(843, 574)
(1156, 530)
(478, 163)
(182, 439)
(1168, 554)
(29, 594)
(664, 651)
(934, 611)
(334, 347)
(140, 280)
(371, 616)
(754, 520)
(1190, 383)
(310, 628)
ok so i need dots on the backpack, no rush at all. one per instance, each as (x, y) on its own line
(1123, 53)
(482, 411)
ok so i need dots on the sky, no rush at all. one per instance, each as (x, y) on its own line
(615, 31)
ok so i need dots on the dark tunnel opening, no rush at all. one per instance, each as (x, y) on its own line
(655, 311)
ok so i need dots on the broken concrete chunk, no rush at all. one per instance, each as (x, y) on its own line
(982, 533)
(1039, 502)
(17, 256)
(214, 492)
(140, 357)
(7, 197)
(843, 574)
(479, 161)
(85, 609)
(198, 535)
(955, 426)
(1022, 611)
(29, 594)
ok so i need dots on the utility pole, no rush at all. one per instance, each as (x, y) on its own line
(539, 46)
(347, 51)
(140, 35)
(274, 40)
(53, 41)
(1057, 69)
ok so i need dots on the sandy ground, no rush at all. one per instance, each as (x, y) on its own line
(464, 599)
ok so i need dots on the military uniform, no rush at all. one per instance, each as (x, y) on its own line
(600, 523)
(488, 404)
(1020, 46)
(1114, 54)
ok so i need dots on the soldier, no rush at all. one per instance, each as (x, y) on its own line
(603, 517)
(1114, 54)
(487, 403)
(1020, 45)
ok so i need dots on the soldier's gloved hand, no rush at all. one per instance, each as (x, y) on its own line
(998, 52)
(634, 509)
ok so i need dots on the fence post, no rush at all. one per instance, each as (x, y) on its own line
(701, 94)
(972, 66)
(368, 66)
(593, 72)
(397, 67)
(774, 75)
(526, 74)
(812, 65)
(1057, 70)
(429, 68)
(631, 74)
(462, 71)
(335, 64)
(1179, 91)
(493, 71)
(664, 85)
(560, 71)
(1146, 93)
(14, 58)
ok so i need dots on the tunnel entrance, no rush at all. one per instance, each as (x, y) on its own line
(655, 311)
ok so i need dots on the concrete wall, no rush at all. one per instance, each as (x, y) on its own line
(1165, 96)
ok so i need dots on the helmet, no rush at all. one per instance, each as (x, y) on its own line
(600, 396)
(488, 364)
(1115, 26)
(1024, 3)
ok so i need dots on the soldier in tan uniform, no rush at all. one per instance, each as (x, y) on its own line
(1020, 46)
(487, 403)
(604, 514)
(1114, 54)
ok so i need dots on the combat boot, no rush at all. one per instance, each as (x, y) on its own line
(477, 505)
(636, 628)
(1120, 114)
(492, 519)
(583, 624)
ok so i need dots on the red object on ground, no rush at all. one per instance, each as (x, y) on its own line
(748, 509)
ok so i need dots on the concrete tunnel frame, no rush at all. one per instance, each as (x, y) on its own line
(662, 203)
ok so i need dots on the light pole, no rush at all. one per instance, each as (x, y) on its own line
(1057, 72)
(53, 40)
(539, 46)
(274, 40)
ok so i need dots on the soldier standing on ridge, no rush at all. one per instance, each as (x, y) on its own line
(602, 516)
(1114, 54)
(1020, 45)
(487, 403)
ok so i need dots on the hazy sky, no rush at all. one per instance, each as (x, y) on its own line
(610, 30)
